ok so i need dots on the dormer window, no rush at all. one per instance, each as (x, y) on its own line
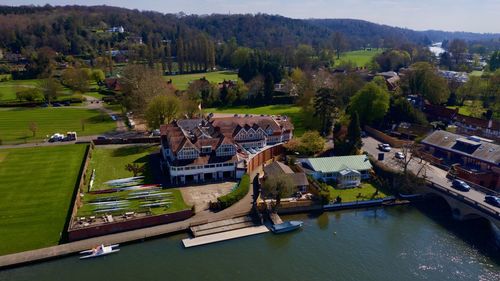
(206, 149)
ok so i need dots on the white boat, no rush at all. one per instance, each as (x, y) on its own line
(286, 226)
(100, 250)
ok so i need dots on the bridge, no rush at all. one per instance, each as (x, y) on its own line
(464, 205)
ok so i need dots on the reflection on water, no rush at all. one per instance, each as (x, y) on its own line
(397, 243)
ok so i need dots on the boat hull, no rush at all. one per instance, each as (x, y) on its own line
(286, 226)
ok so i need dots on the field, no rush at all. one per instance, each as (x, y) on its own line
(14, 122)
(289, 110)
(470, 108)
(360, 57)
(36, 186)
(181, 81)
(109, 164)
(8, 89)
(367, 191)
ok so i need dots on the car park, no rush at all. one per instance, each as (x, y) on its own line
(399, 155)
(384, 147)
(492, 200)
(460, 185)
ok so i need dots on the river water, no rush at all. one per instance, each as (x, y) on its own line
(396, 243)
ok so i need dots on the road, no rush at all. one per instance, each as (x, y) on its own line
(433, 173)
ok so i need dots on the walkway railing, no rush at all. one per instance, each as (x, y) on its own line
(468, 201)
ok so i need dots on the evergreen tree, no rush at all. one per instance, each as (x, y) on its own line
(268, 87)
(353, 138)
(324, 105)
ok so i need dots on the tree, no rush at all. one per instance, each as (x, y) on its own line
(135, 168)
(353, 138)
(494, 62)
(240, 56)
(268, 87)
(140, 85)
(50, 88)
(422, 79)
(339, 43)
(77, 79)
(33, 127)
(393, 60)
(311, 143)
(458, 49)
(162, 109)
(470, 89)
(278, 188)
(98, 75)
(371, 103)
(324, 105)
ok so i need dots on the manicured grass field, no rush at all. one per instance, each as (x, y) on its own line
(285, 109)
(109, 164)
(359, 57)
(181, 81)
(36, 186)
(367, 191)
(14, 122)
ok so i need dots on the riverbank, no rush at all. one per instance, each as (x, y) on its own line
(397, 243)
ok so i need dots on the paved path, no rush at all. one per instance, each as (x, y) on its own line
(433, 173)
(233, 234)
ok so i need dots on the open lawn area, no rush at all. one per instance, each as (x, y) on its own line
(289, 110)
(109, 164)
(36, 187)
(470, 108)
(359, 57)
(14, 122)
(366, 189)
(8, 89)
(181, 81)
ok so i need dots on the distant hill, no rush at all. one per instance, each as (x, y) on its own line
(77, 29)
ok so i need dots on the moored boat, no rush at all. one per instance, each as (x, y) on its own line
(100, 250)
(286, 226)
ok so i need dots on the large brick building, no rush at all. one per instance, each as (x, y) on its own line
(198, 150)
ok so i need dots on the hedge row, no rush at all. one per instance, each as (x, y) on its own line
(236, 195)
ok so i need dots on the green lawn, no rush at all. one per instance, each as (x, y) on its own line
(476, 73)
(366, 189)
(14, 122)
(291, 111)
(109, 164)
(470, 108)
(181, 82)
(36, 186)
(8, 89)
(359, 57)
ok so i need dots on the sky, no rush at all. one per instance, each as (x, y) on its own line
(449, 15)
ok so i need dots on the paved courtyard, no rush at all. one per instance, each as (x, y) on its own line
(201, 195)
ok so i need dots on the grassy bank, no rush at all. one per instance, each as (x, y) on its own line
(15, 122)
(36, 186)
(366, 191)
(109, 164)
(359, 57)
(181, 81)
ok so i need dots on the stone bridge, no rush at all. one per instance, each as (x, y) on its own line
(463, 207)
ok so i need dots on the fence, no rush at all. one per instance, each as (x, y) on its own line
(264, 156)
(126, 141)
(394, 142)
(114, 227)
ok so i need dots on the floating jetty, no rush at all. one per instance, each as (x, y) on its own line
(222, 236)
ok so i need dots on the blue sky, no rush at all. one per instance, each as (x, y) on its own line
(450, 15)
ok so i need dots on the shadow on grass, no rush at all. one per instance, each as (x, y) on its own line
(130, 150)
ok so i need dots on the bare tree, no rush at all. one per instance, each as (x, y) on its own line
(278, 187)
(412, 162)
(135, 168)
(33, 127)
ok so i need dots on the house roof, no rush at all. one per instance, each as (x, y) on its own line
(469, 146)
(277, 168)
(338, 163)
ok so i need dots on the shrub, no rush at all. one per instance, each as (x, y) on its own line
(236, 195)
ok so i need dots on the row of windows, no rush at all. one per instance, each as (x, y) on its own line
(201, 167)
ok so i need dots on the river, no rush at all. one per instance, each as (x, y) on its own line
(396, 243)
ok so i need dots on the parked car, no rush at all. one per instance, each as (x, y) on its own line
(384, 147)
(156, 132)
(399, 155)
(492, 200)
(460, 185)
(102, 138)
(55, 104)
(56, 137)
